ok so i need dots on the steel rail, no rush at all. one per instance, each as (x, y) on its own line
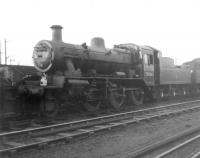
(196, 155)
(179, 146)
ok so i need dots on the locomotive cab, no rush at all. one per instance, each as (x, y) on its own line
(151, 67)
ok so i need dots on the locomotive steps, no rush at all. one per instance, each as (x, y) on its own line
(37, 137)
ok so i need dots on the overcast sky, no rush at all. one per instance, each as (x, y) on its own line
(172, 26)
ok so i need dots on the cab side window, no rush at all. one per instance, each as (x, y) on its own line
(148, 59)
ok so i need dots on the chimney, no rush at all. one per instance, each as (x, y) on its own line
(56, 33)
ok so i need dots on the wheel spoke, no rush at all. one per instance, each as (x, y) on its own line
(136, 97)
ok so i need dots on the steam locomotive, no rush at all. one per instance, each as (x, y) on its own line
(95, 76)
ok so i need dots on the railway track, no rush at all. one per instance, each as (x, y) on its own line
(21, 140)
(20, 123)
(182, 145)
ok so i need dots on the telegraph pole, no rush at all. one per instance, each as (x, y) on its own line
(5, 52)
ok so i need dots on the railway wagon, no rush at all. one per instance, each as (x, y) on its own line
(10, 76)
(194, 66)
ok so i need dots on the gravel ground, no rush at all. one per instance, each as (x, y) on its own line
(119, 142)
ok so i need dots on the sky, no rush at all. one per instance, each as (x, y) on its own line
(171, 26)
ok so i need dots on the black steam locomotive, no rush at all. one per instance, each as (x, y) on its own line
(94, 76)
